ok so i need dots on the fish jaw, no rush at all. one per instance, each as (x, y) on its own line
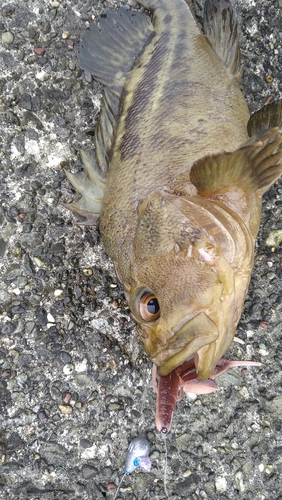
(205, 335)
(192, 336)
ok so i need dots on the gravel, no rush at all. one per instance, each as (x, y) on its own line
(75, 383)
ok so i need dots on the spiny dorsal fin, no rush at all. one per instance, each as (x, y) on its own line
(255, 165)
(267, 117)
(221, 28)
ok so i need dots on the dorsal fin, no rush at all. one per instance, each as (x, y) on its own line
(108, 52)
(255, 165)
(221, 28)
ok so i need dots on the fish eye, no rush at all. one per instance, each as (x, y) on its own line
(149, 308)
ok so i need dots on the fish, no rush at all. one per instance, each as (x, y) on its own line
(176, 180)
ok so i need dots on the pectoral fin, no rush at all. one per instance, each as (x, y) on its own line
(256, 165)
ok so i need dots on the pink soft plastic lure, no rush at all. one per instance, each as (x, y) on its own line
(171, 388)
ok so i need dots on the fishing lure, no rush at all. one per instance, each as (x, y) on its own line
(170, 388)
(137, 456)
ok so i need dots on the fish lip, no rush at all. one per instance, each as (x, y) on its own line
(197, 333)
(164, 362)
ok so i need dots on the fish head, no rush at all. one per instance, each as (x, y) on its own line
(182, 295)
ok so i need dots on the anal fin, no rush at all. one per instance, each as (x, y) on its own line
(256, 165)
(90, 183)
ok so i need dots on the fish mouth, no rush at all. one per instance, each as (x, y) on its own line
(195, 337)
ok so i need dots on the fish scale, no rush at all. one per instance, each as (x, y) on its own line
(160, 99)
(177, 182)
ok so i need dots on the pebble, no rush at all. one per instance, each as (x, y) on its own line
(21, 281)
(263, 352)
(85, 443)
(14, 353)
(3, 247)
(89, 472)
(89, 272)
(70, 44)
(187, 473)
(42, 76)
(32, 59)
(67, 398)
(68, 369)
(42, 415)
(39, 51)
(269, 469)
(220, 484)
(238, 480)
(39, 262)
(65, 357)
(114, 406)
(275, 406)
(8, 10)
(81, 367)
(155, 455)
(65, 35)
(256, 427)
(50, 318)
(244, 392)
(87, 76)
(65, 409)
(7, 37)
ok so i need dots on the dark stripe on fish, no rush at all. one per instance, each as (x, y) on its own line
(176, 82)
(141, 100)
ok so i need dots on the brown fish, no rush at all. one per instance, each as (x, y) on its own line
(178, 174)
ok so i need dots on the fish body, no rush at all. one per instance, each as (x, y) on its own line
(179, 174)
(178, 102)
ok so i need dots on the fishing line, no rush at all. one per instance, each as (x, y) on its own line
(119, 485)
